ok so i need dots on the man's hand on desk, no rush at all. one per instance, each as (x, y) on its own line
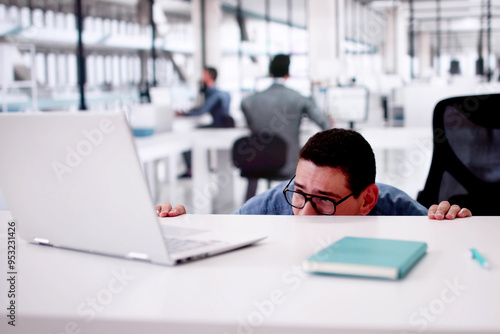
(166, 210)
(180, 113)
(445, 210)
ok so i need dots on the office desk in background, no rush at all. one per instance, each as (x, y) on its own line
(261, 289)
(207, 183)
(208, 186)
(166, 146)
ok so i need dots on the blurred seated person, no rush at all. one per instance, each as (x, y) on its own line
(216, 103)
(279, 110)
(335, 175)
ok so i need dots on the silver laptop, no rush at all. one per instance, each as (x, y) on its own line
(73, 180)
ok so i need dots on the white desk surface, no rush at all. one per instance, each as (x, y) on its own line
(259, 289)
(162, 145)
(206, 189)
(183, 137)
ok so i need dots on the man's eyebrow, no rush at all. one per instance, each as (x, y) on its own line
(296, 184)
(329, 194)
(325, 193)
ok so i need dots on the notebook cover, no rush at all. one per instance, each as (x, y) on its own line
(367, 256)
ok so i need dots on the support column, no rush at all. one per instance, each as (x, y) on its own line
(401, 44)
(389, 52)
(206, 17)
(438, 37)
(425, 54)
(326, 37)
(412, 40)
(80, 54)
(489, 70)
(153, 39)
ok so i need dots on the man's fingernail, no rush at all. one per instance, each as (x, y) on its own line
(173, 211)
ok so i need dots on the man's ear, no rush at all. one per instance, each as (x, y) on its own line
(369, 198)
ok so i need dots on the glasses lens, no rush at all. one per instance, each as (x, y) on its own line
(324, 206)
(295, 199)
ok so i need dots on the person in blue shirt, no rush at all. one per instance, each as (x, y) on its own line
(216, 103)
(335, 175)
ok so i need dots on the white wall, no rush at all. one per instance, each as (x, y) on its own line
(419, 99)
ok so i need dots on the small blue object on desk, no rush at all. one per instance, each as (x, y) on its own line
(479, 258)
(143, 132)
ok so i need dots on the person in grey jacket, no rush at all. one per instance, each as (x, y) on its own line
(279, 110)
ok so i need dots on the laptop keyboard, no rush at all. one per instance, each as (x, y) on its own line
(176, 245)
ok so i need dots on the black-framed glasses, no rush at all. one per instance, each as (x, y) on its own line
(323, 205)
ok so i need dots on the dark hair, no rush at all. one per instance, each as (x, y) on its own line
(346, 150)
(212, 71)
(279, 66)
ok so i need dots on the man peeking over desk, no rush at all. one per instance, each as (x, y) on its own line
(335, 175)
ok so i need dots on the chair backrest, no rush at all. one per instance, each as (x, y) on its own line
(260, 156)
(465, 167)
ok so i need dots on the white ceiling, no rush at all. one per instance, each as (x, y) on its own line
(172, 6)
(458, 18)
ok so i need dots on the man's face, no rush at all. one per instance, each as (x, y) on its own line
(206, 78)
(328, 182)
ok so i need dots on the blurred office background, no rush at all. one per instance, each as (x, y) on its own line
(378, 66)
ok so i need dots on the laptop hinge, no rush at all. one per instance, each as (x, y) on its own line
(138, 256)
(41, 241)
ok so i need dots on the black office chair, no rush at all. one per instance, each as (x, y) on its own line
(465, 167)
(260, 157)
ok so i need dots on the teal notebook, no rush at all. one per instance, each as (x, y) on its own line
(367, 257)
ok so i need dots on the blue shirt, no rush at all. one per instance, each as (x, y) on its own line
(216, 103)
(391, 202)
